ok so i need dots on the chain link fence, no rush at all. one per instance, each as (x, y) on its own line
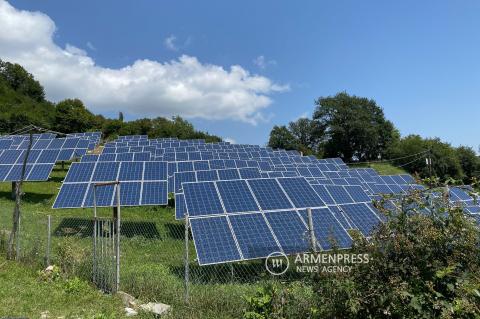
(152, 262)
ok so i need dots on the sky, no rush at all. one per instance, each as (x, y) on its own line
(237, 69)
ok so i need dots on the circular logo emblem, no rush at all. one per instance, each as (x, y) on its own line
(277, 263)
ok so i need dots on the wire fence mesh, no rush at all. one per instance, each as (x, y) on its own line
(152, 259)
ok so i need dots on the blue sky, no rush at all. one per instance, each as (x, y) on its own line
(418, 59)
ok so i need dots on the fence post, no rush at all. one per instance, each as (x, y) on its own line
(117, 243)
(94, 235)
(48, 240)
(186, 260)
(313, 242)
(18, 237)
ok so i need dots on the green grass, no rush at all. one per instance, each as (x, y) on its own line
(23, 294)
(152, 255)
(384, 168)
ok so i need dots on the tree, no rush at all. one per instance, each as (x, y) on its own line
(22, 81)
(355, 127)
(120, 116)
(469, 161)
(307, 133)
(72, 116)
(445, 162)
(281, 137)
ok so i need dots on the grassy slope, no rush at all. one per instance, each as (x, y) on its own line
(385, 168)
(152, 254)
(22, 294)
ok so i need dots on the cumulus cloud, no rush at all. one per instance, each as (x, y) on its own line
(91, 46)
(184, 86)
(262, 62)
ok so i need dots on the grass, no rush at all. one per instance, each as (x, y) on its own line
(152, 258)
(384, 168)
(23, 294)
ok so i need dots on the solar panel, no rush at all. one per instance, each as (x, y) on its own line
(236, 196)
(131, 171)
(183, 177)
(155, 171)
(290, 231)
(154, 193)
(203, 176)
(214, 241)
(301, 193)
(228, 174)
(339, 194)
(80, 172)
(269, 194)
(357, 194)
(130, 193)
(70, 196)
(40, 172)
(362, 217)
(180, 207)
(104, 196)
(253, 235)
(202, 199)
(329, 232)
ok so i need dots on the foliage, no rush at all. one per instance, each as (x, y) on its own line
(355, 127)
(421, 266)
(71, 255)
(75, 285)
(53, 274)
(447, 161)
(281, 137)
(277, 301)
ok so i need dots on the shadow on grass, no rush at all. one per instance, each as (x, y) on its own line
(28, 197)
(177, 231)
(82, 227)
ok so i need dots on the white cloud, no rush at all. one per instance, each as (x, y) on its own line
(304, 115)
(91, 46)
(170, 43)
(184, 86)
(262, 62)
(230, 140)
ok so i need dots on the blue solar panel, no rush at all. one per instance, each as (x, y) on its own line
(408, 179)
(203, 176)
(70, 196)
(5, 143)
(290, 231)
(253, 235)
(10, 156)
(249, 173)
(80, 172)
(459, 194)
(183, 177)
(329, 232)
(214, 241)
(362, 217)
(228, 174)
(269, 194)
(202, 199)
(48, 156)
(130, 193)
(201, 166)
(4, 169)
(358, 194)
(41, 144)
(154, 193)
(143, 156)
(155, 171)
(217, 164)
(300, 192)
(339, 194)
(106, 171)
(124, 157)
(108, 157)
(131, 171)
(236, 196)
(324, 194)
(180, 207)
(65, 155)
(185, 167)
(15, 173)
(104, 196)
(40, 172)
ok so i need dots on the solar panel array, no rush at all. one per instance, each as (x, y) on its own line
(142, 183)
(46, 150)
(243, 201)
